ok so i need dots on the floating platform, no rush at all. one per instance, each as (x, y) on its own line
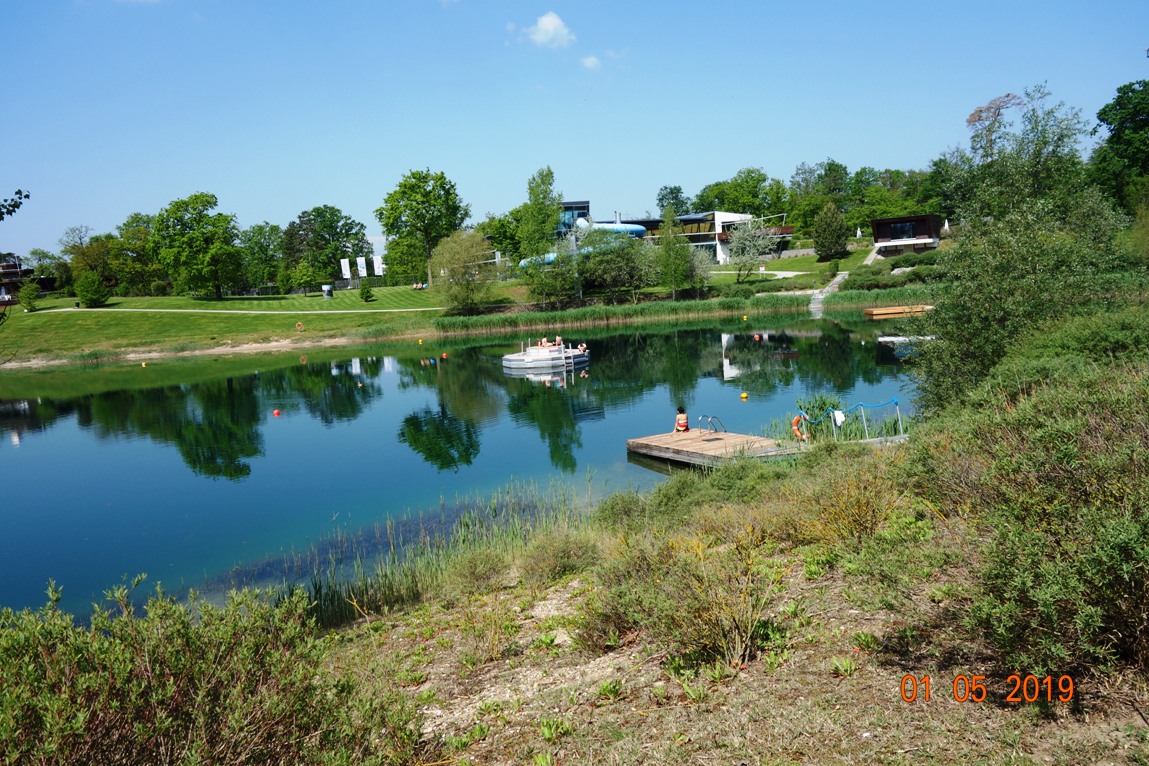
(708, 448)
(895, 312)
(712, 448)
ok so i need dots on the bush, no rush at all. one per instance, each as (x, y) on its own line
(554, 554)
(29, 294)
(1055, 474)
(240, 684)
(707, 603)
(91, 290)
(738, 291)
(365, 293)
(475, 571)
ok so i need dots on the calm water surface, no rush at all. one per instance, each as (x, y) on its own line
(188, 483)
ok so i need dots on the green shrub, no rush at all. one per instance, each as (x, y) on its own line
(91, 290)
(621, 510)
(1055, 474)
(29, 294)
(736, 291)
(238, 684)
(474, 571)
(555, 554)
(700, 601)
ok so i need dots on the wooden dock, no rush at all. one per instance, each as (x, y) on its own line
(712, 448)
(708, 448)
(895, 312)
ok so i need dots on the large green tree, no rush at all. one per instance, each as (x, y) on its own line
(746, 192)
(133, 260)
(615, 264)
(424, 205)
(262, 253)
(1120, 164)
(1009, 165)
(321, 237)
(673, 198)
(198, 247)
(539, 216)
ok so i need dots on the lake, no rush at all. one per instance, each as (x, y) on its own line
(197, 483)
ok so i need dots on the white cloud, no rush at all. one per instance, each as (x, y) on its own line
(591, 62)
(550, 32)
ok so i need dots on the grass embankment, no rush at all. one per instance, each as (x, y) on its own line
(765, 613)
(169, 326)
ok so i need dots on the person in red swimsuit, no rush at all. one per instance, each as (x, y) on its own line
(681, 421)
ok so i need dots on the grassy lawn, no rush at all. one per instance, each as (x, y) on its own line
(57, 329)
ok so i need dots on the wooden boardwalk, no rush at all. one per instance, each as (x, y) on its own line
(712, 448)
(708, 448)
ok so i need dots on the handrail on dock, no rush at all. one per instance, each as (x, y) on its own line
(710, 421)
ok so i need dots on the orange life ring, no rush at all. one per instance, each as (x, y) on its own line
(794, 427)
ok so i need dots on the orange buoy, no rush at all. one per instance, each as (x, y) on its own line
(275, 412)
(794, 427)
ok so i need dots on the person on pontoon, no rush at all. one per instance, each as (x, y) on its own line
(681, 421)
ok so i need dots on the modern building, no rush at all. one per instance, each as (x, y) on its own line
(11, 276)
(908, 233)
(710, 232)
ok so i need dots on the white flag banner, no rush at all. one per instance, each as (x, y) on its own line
(345, 264)
(361, 266)
(378, 262)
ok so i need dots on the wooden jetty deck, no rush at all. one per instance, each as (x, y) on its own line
(712, 448)
(708, 448)
(894, 312)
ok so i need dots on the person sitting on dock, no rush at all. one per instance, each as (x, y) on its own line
(559, 340)
(582, 348)
(681, 421)
(544, 342)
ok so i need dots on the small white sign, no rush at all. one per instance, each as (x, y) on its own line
(378, 263)
(345, 264)
(361, 266)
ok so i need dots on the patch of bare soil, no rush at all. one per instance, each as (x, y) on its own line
(539, 698)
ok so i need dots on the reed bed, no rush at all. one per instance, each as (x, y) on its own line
(587, 316)
(895, 296)
(398, 564)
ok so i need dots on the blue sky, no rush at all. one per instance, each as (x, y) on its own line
(111, 107)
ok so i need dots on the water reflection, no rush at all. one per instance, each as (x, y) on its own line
(188, 482)
(216, 425)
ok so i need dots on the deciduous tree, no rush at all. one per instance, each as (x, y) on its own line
(673, 254)
(198, 247)
(751, 243)
(673, 198)
(1121, 163)
(464, 260)
(426, 206)
(539, 217)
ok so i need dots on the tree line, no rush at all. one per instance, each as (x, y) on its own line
(190, 247)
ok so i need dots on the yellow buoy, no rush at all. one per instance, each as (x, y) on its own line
(745, 396)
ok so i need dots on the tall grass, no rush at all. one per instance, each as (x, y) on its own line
(897, 296)
(422, 559)
(606, 315)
